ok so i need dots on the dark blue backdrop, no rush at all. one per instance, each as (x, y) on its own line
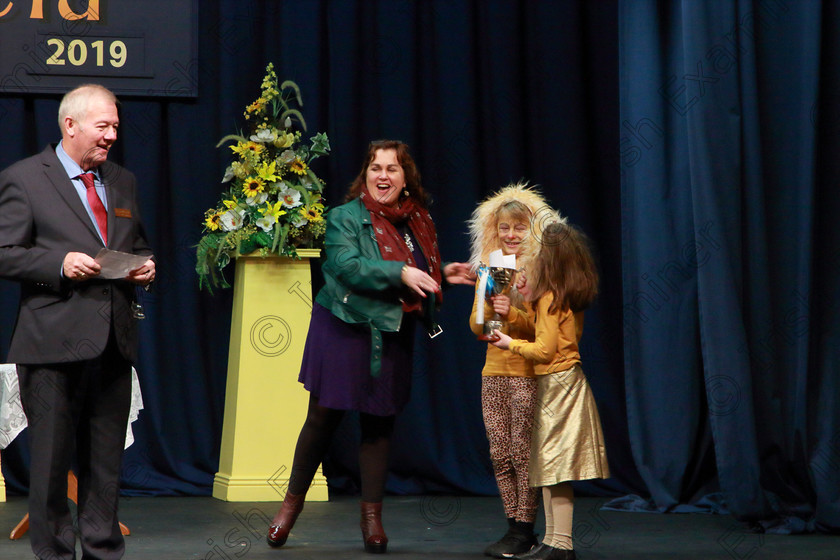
(689, 139)
(730, 269)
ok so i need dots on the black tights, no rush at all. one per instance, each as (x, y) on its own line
(315, 438)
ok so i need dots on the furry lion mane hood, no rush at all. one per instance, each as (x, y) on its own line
(484, 238)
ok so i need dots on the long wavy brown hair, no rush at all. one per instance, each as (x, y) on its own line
(565, 267)
(412, 175)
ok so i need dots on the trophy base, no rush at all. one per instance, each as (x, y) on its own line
(489, 328)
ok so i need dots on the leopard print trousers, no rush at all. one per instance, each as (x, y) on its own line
(508, 407)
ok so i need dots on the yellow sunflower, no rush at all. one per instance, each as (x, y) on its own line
(298, 166)
(212, 220)
(253, 186)
(243, 148)
(313, 214)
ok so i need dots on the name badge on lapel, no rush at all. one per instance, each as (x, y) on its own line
(122, 212)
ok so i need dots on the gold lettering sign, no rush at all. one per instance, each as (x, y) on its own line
(92, 13)
(37, 11)
(50, 46)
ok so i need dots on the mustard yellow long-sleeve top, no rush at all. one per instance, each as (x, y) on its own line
(556, 337)
(501, 362)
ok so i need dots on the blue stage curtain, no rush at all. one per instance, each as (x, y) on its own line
(485, 93)
(729, 136)
(695, 142)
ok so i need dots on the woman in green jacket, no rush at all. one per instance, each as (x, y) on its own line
(382, 271)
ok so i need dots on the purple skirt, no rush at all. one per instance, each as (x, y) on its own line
(336, 365)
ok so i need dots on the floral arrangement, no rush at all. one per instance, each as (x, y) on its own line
(274, 202)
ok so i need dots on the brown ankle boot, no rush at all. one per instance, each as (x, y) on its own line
(285, 519)
(372, 532)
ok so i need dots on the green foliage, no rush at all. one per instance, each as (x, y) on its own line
(273, 204)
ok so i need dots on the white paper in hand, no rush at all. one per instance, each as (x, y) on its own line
(116, 264)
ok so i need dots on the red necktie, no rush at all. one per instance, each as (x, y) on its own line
(96, 205)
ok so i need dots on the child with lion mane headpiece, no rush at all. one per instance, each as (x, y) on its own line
(512, 220)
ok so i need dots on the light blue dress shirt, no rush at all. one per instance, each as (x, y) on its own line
(73, 171)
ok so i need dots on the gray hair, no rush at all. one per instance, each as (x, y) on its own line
(76, 101)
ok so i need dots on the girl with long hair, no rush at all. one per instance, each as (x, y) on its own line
(567, 442)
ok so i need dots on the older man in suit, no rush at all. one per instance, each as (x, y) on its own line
(75, 337)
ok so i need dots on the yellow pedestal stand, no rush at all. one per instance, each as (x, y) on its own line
(265, 406)
(2, 485)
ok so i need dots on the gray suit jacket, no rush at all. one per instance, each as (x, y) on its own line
(41, 220)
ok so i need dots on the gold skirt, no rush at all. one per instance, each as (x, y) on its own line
(567, 442)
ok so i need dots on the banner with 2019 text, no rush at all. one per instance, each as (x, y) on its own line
(137, 48)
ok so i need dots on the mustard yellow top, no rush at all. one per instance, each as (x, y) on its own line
(501, 362)
(556, 337)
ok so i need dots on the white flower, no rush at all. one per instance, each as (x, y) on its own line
(266, 223)
(301, 221)
(229, 174)
(288, 156)
(264, 136)
(259, 199)
(232, 219)
(290, 197)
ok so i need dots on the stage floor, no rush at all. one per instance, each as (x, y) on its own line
(420, 527)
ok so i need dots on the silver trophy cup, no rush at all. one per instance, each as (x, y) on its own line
(502, 282)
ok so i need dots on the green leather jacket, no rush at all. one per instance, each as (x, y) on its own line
(359, 285)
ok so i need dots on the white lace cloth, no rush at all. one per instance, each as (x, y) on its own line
(13, 420)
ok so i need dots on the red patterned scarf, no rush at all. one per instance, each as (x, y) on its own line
(392, 245)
